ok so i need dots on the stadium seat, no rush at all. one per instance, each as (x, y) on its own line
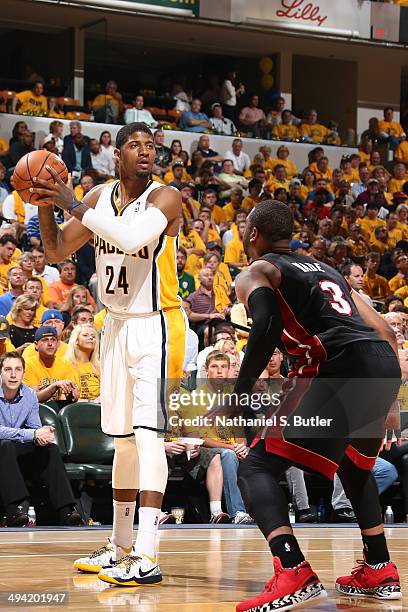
(85, 442)
(48, 416)
(68, 102)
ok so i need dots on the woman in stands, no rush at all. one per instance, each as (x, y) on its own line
(282, 158)
(107, 149)
(22, 329)
(175, 150)
(83, 353)
(78, 296)
(18, 130)
(307, 185)
(195, 247)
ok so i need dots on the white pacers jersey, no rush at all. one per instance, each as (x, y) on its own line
(141, 283)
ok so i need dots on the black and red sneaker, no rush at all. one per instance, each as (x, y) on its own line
(365, 580)
(288, 589)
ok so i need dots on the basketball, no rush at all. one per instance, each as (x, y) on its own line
(33, 164)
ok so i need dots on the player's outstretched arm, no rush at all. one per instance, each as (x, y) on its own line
(164, 207)
(255, 288)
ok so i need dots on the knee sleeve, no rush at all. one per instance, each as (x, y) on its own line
(361, 489)
(125, 472)
(264, 499)
(153, 468)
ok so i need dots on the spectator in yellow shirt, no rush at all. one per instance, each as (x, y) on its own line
(394, 233)
(370, 222)
(52, 377)
(286, 130)
(50, 318)
(323, 169)
(398, 179)
(255, 187)
(108, 106)
(350, 174)
(365, 150)
(401, 154)
(8, 246)
(26, 261)
(205, 227)
(401, 278)
(380, 242)
(311, 130)
(391, 131)
(279, 179)
(235, 255)
(235, 204)
(210, 200)
(31, 100)
(375, 286)
(195, 247)
(282, 158)
(191, 207)
(83, 354)
(220, 270)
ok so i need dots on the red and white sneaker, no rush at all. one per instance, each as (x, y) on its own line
(366, 581)
(288, 589)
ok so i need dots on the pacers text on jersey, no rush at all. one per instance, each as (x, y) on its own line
(104, 248)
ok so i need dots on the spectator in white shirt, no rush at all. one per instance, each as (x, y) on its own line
(240, 159)
(139, 114)
(48, 273)
(183, 102)
(56, 129)
(102, 163)
(229, 94)
(221, 124)
(107, 148)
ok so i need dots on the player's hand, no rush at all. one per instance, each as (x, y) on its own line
(57, 193)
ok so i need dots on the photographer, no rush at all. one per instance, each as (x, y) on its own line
(52, 377)
(27, 450)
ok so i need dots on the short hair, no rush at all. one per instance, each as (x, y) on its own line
(16, 267)
(208, 256)
(127, 130)
(11, 355)
(8, 238)
(64, 263)
(216, 356)
(346, 269)
(387, 108)
(254, 183)
(34, 279)
(373, 255)
(273, 219)
(81, 308)
(182, 250)
(38, 248)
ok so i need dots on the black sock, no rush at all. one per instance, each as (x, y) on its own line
(375, 549)
(287, 549)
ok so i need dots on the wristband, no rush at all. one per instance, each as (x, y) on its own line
(75, 204)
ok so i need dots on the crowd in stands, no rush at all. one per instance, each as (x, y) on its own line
(354, 218)
(223, 108)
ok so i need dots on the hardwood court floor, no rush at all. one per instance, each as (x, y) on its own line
(206, 570)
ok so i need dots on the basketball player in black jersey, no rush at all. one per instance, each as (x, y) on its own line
(328, 421)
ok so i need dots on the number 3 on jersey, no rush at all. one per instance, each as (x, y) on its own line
(122, 280)
(338, 303)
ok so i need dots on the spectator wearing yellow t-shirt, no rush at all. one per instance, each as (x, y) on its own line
(286, 130)
(31, 100)
(401, 278)
(83, 354)
(374, 285)
(235, 255)
(220, 270)
(391, 131)
(26, 261)
(206, 228)
(370, 222)
(255, 187)
(108, 107)
(50, 318)
(311, 130)
(394, 233)
(235, 204)
(379, 242)
(51, 377)
(323, 169)
(210, 200)
(398, 179)
(278, 180)
(191, 207)
(8, 246)
(282, 159)
(195, 247)
(401, 154)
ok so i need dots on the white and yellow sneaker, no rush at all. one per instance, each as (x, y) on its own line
(100, 559)
(133, 570)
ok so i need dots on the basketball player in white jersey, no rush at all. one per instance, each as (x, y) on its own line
(135, 224)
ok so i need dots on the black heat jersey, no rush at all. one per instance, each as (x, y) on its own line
(318, 313)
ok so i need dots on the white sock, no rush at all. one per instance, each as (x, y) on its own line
(147, 531)
(123, 518)
(215, 507)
